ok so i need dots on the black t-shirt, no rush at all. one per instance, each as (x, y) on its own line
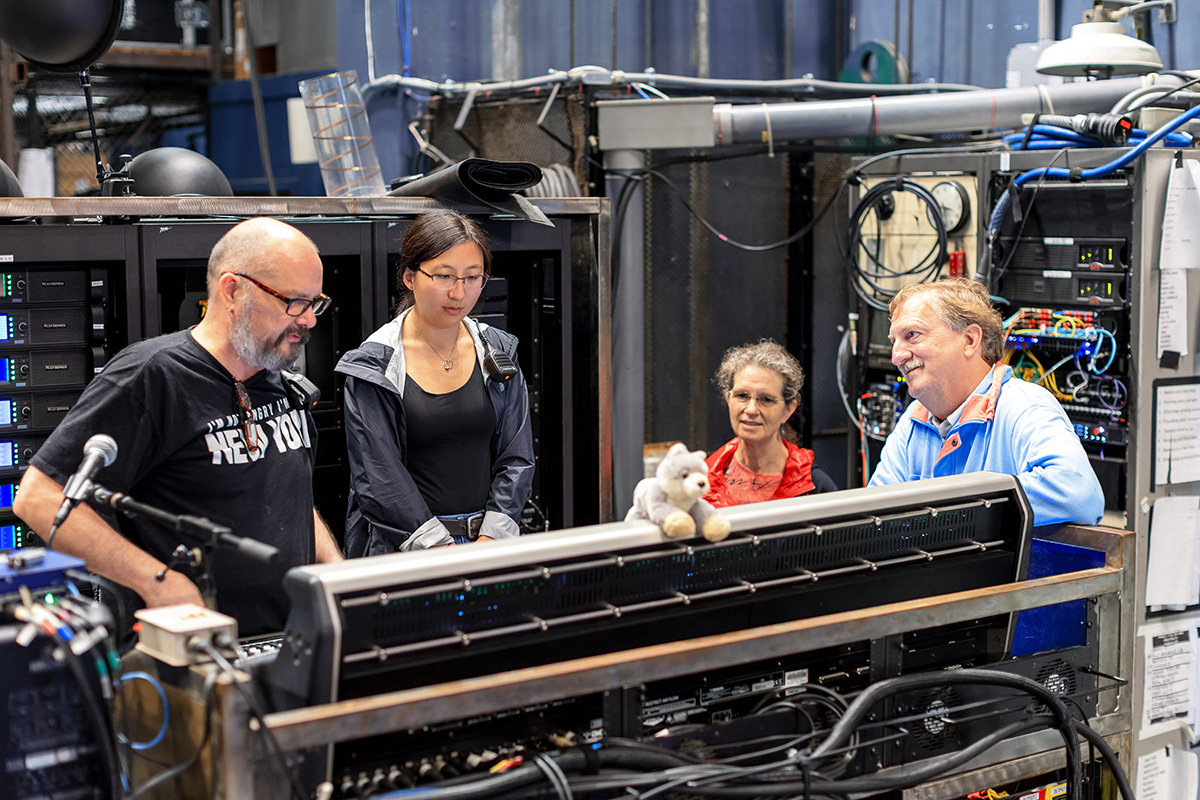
(449, 438)
(173, 411)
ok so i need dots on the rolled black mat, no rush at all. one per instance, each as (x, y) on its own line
(477, 184)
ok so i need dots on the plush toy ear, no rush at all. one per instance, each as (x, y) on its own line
(677, 449)
(700, 454)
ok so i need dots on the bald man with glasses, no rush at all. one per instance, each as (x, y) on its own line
(207, 423)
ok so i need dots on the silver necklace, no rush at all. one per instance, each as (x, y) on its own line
(448, 362)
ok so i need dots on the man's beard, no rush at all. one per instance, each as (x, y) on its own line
(270, 354)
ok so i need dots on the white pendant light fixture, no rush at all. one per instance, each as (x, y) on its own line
(1100, 47)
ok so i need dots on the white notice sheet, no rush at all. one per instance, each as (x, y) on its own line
(1172, 312)
(1180, 248)
(1171, 578)
(1166, 703)
(1167, 774)
(1176, 433)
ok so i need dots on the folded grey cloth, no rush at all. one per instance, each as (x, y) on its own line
(477, 184)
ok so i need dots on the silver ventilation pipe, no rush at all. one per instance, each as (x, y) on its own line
(984, 109)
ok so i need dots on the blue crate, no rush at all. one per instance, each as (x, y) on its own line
(46, 570)
(1063, 624)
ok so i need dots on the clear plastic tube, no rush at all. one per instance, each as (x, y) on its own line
(341, 134)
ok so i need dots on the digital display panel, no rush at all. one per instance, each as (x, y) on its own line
(6, 412)
(8, 452)
(7, 492)
(9, 537)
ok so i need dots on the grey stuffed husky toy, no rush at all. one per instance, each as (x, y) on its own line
(674, 498)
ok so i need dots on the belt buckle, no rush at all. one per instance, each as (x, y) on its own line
(474, 524)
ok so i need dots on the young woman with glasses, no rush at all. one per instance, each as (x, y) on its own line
(437, 414)
(761, 385)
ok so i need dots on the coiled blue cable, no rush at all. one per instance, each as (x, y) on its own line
(1112, 354)
(162, 695)
(1050, 137)
(1064, 137)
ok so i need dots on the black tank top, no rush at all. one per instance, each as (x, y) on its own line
(449, 440)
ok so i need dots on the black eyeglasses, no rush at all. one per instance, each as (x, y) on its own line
(249, 430)
(446, 282)
(296, 306)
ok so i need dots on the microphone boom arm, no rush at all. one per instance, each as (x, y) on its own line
(201, 530)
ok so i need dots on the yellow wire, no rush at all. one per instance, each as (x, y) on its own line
(1030, 374)
(1062, 318)
(1049, 381)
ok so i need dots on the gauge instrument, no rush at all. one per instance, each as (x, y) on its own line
(955, 204)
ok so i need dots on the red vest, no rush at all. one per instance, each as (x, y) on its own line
(796, 480)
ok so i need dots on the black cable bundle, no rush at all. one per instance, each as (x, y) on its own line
(641, 770)
(867, 281)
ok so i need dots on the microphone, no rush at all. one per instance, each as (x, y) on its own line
(98, 452)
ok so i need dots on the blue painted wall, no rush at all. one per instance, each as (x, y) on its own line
(967, 41)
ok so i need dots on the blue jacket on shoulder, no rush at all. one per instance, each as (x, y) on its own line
(1010, 426)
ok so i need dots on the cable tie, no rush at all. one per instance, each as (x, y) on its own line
(1045, 96)
(770, 134)
(1014, 196)
(591, 758)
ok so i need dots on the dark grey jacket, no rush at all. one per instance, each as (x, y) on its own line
(385, 511)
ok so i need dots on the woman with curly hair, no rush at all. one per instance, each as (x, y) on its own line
(761, 385)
